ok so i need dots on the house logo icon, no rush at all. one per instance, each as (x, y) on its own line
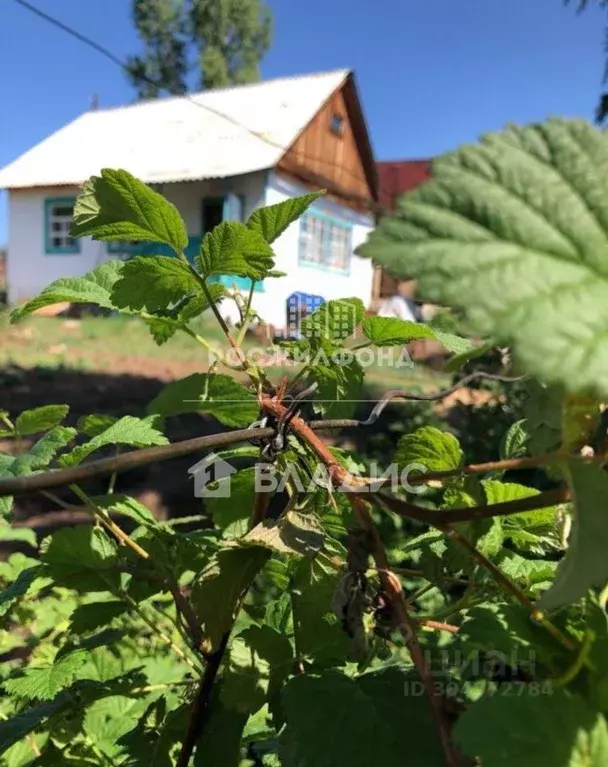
(208, 474)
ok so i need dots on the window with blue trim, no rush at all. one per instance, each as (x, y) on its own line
(324, 242)
(58, 214)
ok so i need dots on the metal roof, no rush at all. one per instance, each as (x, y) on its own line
(212, 134)
(400, 176)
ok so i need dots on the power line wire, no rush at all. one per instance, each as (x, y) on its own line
(118, 62)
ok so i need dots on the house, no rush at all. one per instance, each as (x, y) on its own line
(395, 178)
(217, 156)
(207, 475)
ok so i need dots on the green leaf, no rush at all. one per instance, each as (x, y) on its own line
(455, 344)
(127, 507)
(93, 288)
(334, 320)
(260, 660)
(292, 533)
(531, 531)
(273, 220)
(95, 615)
(339, 385)
(17, 727)
(513, 443)
(153, 283)
(44, 682)
(117, 206)
(137, 432)
(232, 514)
(24, 534)
(40, 419)
(318, 634)
(218, 588)
(461, 358)
(234, 248)
(334, 721)
(83, 558)
(19, 588)
(220, 742)
(585, 564)
(43, 452)
(533, 730)
(436, 450)
(391, 331)
(95, 424)
(218, 395)
(514, 230)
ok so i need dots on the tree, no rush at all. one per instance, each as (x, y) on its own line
(602, 108)
(227, 39)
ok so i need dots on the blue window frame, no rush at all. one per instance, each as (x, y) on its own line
(58, 214)
(325, 242)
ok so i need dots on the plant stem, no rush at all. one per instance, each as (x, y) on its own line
(200, 707)
(224, 326)
(246, 315)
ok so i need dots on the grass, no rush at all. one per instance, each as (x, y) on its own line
(124, 345)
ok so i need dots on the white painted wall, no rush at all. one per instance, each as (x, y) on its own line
(30, 269)
(271, 305)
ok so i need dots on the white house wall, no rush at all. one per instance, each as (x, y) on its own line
(30, 268)
(271, 304)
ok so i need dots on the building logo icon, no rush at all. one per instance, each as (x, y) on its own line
(212, 477)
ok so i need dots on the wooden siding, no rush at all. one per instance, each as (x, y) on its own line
(320, 156)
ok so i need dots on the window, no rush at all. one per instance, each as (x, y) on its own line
(324, 242)
(58, 220)
(337, 124)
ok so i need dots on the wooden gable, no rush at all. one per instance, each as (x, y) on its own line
(334, 152)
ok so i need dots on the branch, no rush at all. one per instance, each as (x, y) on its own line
(200, 707)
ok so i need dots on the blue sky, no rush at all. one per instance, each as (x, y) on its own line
(432, 73)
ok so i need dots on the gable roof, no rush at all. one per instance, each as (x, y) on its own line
(400, 176)
(213, 134)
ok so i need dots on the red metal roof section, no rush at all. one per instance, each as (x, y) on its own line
(401, 176)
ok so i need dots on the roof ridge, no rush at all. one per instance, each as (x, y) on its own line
(194, 95)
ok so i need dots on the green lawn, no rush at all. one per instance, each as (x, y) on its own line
(124, 345)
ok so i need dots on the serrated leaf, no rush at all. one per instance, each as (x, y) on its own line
(234, 248)
(42, 452)
(94, 615)
(17, 727)
(339, 386)
(513, 443)
(40, 419)
(292, 533)
(153, 283)
(20, 587)
(585, 564)
(219, 587)
(127, 507)
(436, 450)
(218, 395)
(461, 358)
(515, 231)
(333, 320)
(334, 721)
(44, 682)
(273, 220)
(93, 288)
(532, 531)
(23, 534)
(82, 558)
(232, 513)
(391, 331)
(136, 432)
(533, 731)
(117, 206)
